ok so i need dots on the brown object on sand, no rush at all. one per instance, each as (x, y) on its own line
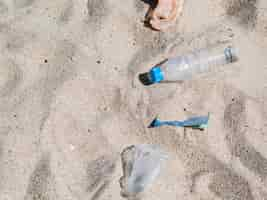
(164, 14)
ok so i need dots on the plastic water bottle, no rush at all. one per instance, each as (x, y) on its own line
(185, 67)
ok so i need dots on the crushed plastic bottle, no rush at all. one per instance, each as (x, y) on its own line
(185, 67)
(141, 166)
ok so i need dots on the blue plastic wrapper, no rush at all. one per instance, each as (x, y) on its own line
(193, 122)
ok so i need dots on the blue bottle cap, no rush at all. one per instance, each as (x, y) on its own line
(156, 75)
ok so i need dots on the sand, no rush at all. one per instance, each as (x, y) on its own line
(70, 100)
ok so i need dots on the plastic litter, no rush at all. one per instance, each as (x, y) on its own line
(141, 166)
(194, 122)
(185, 67)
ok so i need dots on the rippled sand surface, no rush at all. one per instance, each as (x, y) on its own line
(70, 100)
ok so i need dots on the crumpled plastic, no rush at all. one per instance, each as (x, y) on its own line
(141, 165)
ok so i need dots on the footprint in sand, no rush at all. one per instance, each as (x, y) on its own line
(235, 122)
(223, 181)
(41, 184)
(245, 11)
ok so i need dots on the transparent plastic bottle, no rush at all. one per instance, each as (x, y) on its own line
(185, 67)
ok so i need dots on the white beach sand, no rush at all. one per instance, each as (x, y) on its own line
(70, 100)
